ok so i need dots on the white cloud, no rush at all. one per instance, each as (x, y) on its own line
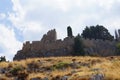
(2, 16)
(48, 14)
(18, 15)
(32, 31)
(8, 43)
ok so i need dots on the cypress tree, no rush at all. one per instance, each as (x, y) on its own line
(116, 35)
(78, 46)
(69, 31)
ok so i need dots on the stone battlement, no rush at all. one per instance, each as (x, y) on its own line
(49, 45)
(48, 42)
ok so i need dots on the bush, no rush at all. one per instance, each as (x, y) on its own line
(2, 58)
(22, 75)
(118, 48)
(33, 66)
(15, 71)
(60, 65)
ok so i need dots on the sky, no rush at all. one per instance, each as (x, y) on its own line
(28, 20)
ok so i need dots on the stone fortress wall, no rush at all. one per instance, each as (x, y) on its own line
(48, 42)
(49, 45)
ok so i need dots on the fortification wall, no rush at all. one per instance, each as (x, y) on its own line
(50, 46)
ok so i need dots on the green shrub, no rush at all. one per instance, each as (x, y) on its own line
(60, 65)
(118, 48)
(2, 58)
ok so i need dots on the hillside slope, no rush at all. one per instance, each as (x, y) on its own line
(55, 68)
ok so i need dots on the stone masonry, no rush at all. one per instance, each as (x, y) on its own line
(49, 45)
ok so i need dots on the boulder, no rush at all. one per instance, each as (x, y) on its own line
(65, 78)
(35, 79)
(2, 70)
(97, 77)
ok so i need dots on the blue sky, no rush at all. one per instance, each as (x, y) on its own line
(23, 20)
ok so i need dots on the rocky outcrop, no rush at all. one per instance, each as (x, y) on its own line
(97, 77)
(49, 45)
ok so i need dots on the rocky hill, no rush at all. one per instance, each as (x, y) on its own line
(49, 45)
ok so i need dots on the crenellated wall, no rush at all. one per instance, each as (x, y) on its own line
(50, 46)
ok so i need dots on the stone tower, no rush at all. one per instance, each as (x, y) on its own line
(51, 36)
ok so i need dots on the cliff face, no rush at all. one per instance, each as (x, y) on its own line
(50, 46)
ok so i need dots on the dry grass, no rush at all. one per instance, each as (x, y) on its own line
(109, 66)
(3, 64)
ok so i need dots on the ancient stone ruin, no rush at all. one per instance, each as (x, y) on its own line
(46, 47)
(49, 45)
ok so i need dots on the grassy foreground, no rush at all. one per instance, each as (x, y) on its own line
(53, 68)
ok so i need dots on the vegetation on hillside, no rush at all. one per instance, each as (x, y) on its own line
(116, 35)
(67, 68)
(78, 46)
(97, 32)
(55, 68)
(69, 32)
(118, 48)
(2, 59)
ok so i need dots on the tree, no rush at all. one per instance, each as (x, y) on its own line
(2, 59)
(69, 31)
(78, 46)
(118, 48)
(86, 33)
(97, 32)
(116, 35)
(119, 32)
